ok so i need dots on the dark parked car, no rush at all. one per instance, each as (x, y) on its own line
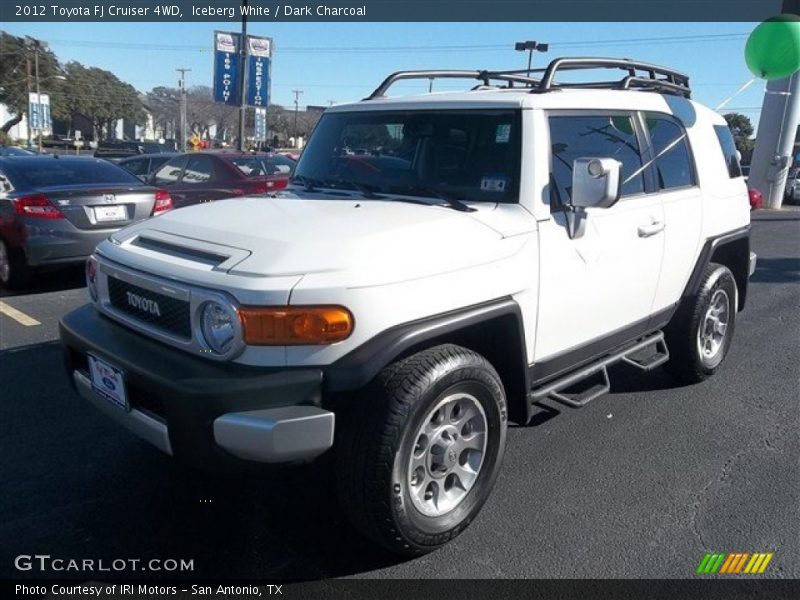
(55, 209)
(206, 176)
(116, 150)
(144, 165)
(14, 151)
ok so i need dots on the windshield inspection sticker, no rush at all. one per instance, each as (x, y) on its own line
(493, 184)
(502, 134)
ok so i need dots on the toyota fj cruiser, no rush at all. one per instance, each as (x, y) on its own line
(440, 263)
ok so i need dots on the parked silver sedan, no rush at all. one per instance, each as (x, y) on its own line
(55, 209)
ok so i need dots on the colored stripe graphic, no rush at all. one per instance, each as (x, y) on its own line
(728, 563)
(733, 563)
(741, 562)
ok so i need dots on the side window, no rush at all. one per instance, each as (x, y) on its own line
(198, 170)
(672, 157)
(580, 136)
(728, 147)
(170, 171)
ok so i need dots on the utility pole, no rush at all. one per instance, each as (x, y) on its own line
(297, 94)
(28, 79)
(243, 77)
(182, 86)
(35, 44)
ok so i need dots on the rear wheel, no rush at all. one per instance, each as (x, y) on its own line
(701, 332)
(14, 270)
(420, 450)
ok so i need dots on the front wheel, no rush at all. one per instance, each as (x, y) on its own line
(701, 331)
(421, 448)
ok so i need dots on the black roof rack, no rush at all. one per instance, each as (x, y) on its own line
(485, 77)
(639, 75)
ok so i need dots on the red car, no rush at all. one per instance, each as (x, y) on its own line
(198, 177)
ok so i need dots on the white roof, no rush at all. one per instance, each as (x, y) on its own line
(560, 99)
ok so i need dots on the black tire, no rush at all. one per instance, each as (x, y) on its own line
(380, 433)
(17, 274)
(688, 363)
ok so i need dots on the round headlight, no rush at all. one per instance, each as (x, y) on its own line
(91, 278)
(218, 325)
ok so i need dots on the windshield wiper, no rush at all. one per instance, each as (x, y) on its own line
(308, 182)
(451, 201)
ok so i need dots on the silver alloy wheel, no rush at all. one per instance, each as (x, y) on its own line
(448, 454)
(711, 333)
(5, 263)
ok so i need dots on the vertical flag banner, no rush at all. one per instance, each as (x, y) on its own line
(260, 132)
(34, 111)
(227, 67)
(259, 53)
(44, 109)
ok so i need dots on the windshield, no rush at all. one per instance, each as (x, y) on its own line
(464, 154)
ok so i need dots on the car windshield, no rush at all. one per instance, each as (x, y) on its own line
(463, 154)
(40, 172)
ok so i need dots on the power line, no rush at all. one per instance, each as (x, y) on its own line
(404, 49)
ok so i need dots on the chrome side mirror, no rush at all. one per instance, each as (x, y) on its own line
(595, 182)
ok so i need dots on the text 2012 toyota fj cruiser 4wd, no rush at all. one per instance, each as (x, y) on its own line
(439, 263)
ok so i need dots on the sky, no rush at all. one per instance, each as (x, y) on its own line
(345, 61)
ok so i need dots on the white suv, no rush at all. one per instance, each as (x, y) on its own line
(440, 263)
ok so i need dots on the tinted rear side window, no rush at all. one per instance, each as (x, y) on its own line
(27, 173)
(673, 160)
(171, 171)
(582, 136)
(728, 147)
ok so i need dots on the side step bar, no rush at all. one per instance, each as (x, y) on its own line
(646, 354)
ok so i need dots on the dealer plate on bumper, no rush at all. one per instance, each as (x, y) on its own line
(108, 381)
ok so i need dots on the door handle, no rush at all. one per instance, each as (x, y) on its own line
(651, 229)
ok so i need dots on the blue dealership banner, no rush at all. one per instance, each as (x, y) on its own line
(260, 129)
(227, 67)
(259, 53)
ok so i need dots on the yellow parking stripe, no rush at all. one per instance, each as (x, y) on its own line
(19, 316)
(765, 563)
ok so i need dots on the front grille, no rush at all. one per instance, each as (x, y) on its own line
(171, 315)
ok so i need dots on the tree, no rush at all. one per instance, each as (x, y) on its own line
(742, 129)
(17, 78)
(101, 96)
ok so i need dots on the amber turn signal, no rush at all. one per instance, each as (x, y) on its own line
(295, 325)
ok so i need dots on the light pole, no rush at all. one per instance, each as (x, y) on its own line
(182, 86)
(297, 94)
(243, 76)
(530, 46)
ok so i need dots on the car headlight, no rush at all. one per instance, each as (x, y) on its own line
(91, 278)
(218, 326)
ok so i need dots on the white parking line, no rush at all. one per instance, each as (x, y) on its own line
(19, 316)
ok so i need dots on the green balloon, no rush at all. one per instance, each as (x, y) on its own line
(773, 49)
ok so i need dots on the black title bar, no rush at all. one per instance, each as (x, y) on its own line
(393, 10)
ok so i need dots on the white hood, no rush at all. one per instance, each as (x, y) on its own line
(375, 241)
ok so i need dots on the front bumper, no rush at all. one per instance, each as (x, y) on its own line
(208, 414)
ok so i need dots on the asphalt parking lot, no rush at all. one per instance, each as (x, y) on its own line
(639, 484)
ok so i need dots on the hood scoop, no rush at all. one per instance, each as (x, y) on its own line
(184, 250)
